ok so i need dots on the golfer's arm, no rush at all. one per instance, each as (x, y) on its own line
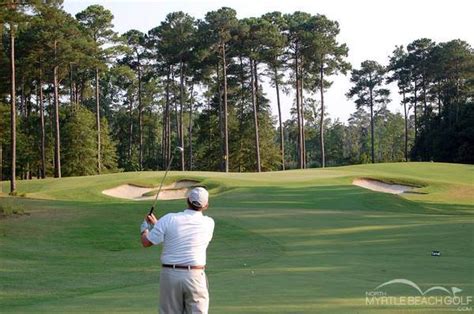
(145, 241)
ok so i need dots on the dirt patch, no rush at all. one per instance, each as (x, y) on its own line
(379, 186)
(174, 191)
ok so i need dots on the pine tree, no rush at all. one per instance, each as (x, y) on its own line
(296, 30)
(220, 24)
(276, 42)
(327, 58)
(79, 142)
(97, 23)
(135, 54)
(401, 74)
(368, 82)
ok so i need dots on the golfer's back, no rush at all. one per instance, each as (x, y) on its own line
(185, 237)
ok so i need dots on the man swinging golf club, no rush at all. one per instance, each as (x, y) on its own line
(185, 236)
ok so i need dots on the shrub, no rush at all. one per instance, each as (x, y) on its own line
(9, 207)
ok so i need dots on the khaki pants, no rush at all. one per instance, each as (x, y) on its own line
(183, 291)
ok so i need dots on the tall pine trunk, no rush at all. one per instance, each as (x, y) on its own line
(140, 115)
(221, 123)
(282, 142)
(243, 88)
(406, 125)
(71, 85)
(76, 91)
(130, 126)
(298, 111)
(425, 104)
(439, 98)
(255, 73)
(27, 122)
(51, 122)
(97, 108)
(190, 133)
(226, 128)
(257, 102)
(176, 114)
(43, 133)
(57, 143)
(372, 125)
(321, 124)
(303, 135)
(181, 100)
(167, 121)
(255, 113)
(415, 113)
(13, 109)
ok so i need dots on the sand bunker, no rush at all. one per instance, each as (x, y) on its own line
(174, 191)
(378, 186)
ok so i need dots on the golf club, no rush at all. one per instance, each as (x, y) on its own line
(163, 179)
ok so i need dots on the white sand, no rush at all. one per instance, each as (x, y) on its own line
(174, 191)
(378, 186)
(181, 184)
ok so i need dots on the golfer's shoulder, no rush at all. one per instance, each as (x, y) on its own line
(209, 220)
(168, 217)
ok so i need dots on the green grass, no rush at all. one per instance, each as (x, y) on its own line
(285, 242)
(10, 208)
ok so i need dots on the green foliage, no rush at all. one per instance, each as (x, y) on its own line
(97, 22)
(78, 142)
(389, 136)
(108, 148)
(437, 80)
(220, 25)
(368, 90)
(368, 82)
(155, 84)
(446, 132)
(4, 124)
(335, 144)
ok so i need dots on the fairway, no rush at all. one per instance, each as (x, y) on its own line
(298, 241)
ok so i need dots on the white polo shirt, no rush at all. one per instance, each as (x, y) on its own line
(185, 237)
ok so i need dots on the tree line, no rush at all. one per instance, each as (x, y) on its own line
(76, 98)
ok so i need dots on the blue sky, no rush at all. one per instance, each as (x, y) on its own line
(370, 28)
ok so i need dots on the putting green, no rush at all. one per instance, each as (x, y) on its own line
(300, 241)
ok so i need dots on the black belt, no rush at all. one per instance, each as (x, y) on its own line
(183, 266)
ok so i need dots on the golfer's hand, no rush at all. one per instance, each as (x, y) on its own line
(145, 226)
(151, 219)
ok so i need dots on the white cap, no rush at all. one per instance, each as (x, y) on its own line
(198, 197)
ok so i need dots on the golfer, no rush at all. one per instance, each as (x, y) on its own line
(185, 237)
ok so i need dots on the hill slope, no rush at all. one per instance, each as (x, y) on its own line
(443, 182)
(285, 242)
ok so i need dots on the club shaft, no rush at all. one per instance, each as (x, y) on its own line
(161, 185)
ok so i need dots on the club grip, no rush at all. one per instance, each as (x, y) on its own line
(151, 210)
